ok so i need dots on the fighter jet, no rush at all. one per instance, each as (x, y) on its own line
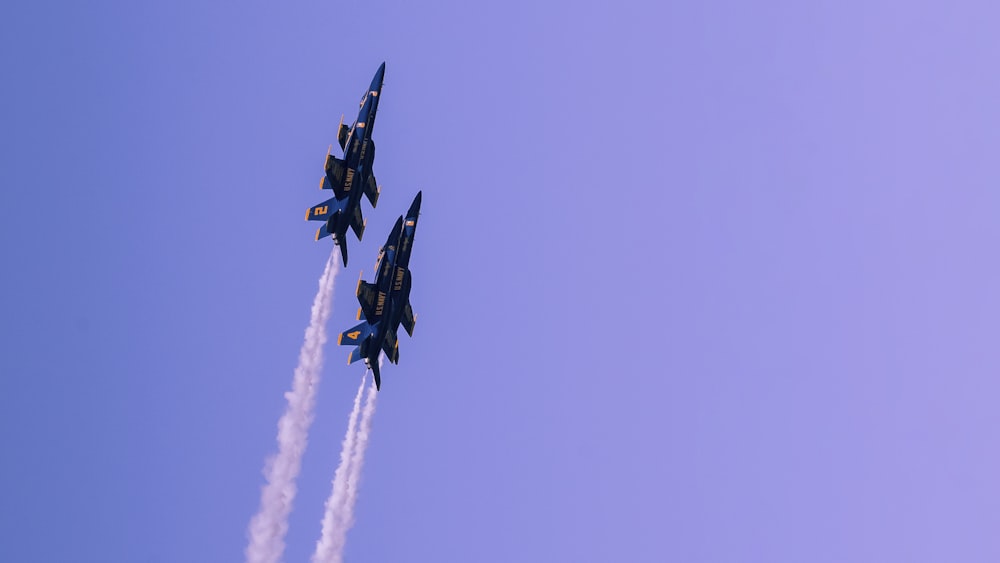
(385, 304)
(352, 175)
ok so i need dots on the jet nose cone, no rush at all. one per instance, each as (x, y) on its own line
(415, 206)
(379, 77)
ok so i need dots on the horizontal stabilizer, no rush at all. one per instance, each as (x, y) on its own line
(356, 335)
(322, 211)
(355, 356)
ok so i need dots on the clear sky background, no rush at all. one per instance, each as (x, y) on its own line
(701, 281)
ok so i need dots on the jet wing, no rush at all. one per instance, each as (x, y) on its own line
(372, 190)
(391, 346)
(342, 133)
(409, 319)
(336, 176)
(372, 301)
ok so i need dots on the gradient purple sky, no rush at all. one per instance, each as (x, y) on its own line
(711, 281)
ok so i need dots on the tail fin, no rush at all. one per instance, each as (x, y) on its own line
(355, 356)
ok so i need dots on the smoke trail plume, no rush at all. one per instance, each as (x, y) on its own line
(340, 506)
(268, 527)
(331, 541)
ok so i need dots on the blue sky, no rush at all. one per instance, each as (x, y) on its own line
(695, 282)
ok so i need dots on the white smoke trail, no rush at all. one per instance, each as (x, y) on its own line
(353, 480)
(330, 547)
(331, 540)
(268, 527)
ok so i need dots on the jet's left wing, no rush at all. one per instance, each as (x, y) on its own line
(409, 319)
(372, 301)
(372, 190)
(391, 347)
(343, 131)
(358, 222)
(335, 176)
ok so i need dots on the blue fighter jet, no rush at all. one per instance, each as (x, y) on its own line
(352, 175)
(385, 304)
